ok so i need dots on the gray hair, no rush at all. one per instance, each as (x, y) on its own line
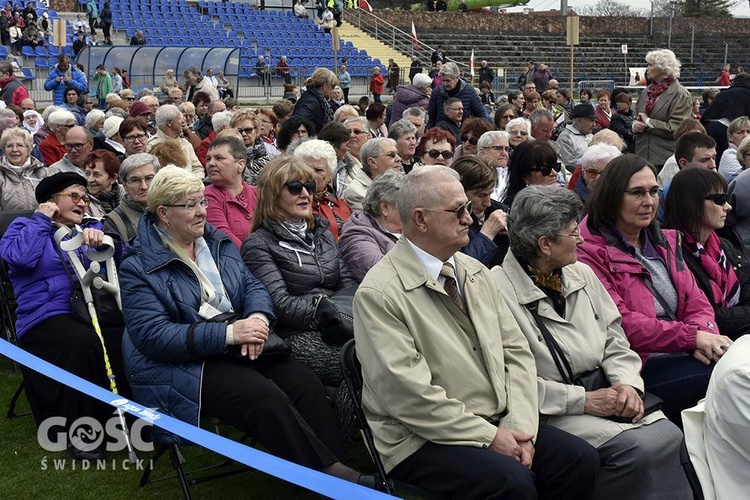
(400, 129)
(418, 190)
(490, 136)
(665, 60)
(6, 67)
(221, 120)
(540, 211)
(372, 149)
(12, 133)
(415, 111)
(536, 116)
(193, 70)
(516, 122)
(60, 117)
(599, 153)
(383, 189)
(136, 161)
(315, 149)
(167, 113)
(7, 113)
(94, 116)
(450, 70)
(48, 111)
(116, 111)
(362, 120)
(421, 81)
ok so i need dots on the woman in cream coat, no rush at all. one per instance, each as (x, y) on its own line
(639, 456)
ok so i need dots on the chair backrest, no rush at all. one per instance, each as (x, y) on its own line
(8, 216)
(352, 371)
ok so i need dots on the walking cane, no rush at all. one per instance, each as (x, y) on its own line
(87, 278)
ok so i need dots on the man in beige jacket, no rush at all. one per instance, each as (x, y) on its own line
(449, 381)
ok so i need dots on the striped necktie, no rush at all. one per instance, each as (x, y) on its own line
(450, 286)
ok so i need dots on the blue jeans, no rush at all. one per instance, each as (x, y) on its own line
(679, 379)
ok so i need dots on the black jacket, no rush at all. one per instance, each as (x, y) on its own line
(621, 124)
(730, 103)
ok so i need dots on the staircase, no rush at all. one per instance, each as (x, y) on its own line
(375, 48)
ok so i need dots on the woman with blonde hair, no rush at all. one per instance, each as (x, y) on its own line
(313, 104)
(170, 153)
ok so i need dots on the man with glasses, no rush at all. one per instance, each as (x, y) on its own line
(454, 86)
(78, 144)
(593, 162)
(136, 173)
(170, 124)
(453, 113)
(575, 137)
(494, 146)
(464, 425)
(377, 156)
(359, 135)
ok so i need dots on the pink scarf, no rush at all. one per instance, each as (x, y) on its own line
(725, 289)
(655, 90)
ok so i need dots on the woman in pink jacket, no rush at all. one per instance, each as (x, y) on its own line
(665, 315)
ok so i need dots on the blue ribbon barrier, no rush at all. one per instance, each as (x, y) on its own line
(308, 478)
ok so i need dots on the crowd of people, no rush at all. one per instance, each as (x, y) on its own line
(576, 261)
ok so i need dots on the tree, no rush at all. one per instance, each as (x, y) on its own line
(610, 8)
(708, 8)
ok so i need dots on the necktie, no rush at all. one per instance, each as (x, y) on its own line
(450, 286)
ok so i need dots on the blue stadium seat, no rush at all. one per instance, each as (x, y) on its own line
(41, 62)
(53, 51)
(68, 51)
(28, 51)
(3, 52)
(28, 74)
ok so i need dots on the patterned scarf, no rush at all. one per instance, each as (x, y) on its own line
(655, 90)
(327, 110)
(725, 289)
(550, 284)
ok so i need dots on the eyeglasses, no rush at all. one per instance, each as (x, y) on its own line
(137, 137)
(76, 198)
(67, 125)
(575, 233)
(137, 181)
(499, 148)
(641, 193)
(76, 147)
(295, 187)
(131, 99)
(718, 198)
(593, 173)
(459, 211)
(471, 140)
(246, 130)
(547, 169)
(191, 205)
(434, 153)
(518, 132)
(391, 154)
(357, 131)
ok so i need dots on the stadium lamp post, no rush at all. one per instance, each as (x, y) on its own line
(651, 20)
(672, 3)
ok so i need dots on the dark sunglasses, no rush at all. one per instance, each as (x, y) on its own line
(547, 169)
(295, 187)
(434, 153)
(473, 140)
(460, 211)
(718, 198)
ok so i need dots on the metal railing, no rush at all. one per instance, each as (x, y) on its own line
(389, 34)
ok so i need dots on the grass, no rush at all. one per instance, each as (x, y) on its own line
(22, 459)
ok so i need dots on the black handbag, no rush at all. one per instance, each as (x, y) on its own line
(335, 316)
(275, 349)
(108, 312)
(591, 380)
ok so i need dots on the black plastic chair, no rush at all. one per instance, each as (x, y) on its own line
(352, 371)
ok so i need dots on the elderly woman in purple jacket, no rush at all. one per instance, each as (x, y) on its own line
(368, 235)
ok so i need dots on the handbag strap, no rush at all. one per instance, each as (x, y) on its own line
(558, 356)
(661, 299)
(65, 266)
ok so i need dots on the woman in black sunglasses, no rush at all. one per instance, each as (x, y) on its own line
(699, 208)
(533, 163)
(471, 130)
(436, 147)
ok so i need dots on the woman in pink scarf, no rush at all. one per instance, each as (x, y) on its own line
(660, 109)
(697, 205)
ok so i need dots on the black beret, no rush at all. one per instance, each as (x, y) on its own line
(50, 186)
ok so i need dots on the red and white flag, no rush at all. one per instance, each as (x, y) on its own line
(414, 39)
(471, 63)
(364, 4)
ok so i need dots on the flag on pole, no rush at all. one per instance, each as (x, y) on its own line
(471, 63)
(414, 39)
(364, 4)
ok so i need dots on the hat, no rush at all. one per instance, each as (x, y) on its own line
(139, 109)
(583, 111)
(50, 186)
(45, 15)
(127, 93)
(111, 126)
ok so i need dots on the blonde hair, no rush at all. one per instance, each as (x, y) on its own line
(271, 181)
(170, 152)
(169, 185)
(245, 115)
(320, 77)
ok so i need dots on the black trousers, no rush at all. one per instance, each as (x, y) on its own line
(283, 406)
(564, 467)
(76, 348)
(346, 95)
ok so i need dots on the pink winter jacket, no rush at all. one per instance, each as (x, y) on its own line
(622, 275)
